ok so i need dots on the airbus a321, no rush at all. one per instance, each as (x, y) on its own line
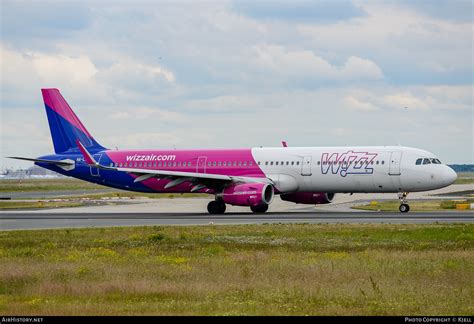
(242, 177)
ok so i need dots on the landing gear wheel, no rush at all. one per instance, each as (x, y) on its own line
(216, 207)
(259, 208)
(404, 208)
(221, 207)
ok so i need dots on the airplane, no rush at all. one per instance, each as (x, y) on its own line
(241, 177)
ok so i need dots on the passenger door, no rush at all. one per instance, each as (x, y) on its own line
(201, 164)
(395, 160)
(306, 166)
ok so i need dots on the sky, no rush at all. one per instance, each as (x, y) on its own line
(233, 74)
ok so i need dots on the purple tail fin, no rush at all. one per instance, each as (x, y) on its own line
(65, 126)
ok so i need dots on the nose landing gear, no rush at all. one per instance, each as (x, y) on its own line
(404, 207)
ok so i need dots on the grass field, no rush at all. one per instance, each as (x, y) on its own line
(415, 205)
(465, 178)
(47, 185)
(9, 205)
(246, 269)
(85, 189)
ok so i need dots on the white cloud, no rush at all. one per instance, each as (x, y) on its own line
(60, 69)
(358, 105)
(305, 64)
(143, 140)
(78, 77)
(357, 68)
(142, 113)
(397, 37)
(343, 83)
(126, 69)
(405, 100)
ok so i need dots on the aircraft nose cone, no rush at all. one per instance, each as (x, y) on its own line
(449, 176)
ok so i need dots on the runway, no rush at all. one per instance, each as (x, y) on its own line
(28, 220)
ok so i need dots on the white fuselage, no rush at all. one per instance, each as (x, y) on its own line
(353, 169)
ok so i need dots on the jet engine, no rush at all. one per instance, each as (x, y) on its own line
(310, 198)
(248, 194)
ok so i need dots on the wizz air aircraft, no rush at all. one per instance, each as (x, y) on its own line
(241, 177)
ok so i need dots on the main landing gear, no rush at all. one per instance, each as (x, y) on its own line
(404, 207)
(216, 207)
(259, 208)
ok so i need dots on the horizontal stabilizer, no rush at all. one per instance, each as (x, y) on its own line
(66, 164)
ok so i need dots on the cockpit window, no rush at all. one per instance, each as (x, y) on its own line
(435, 161)
(418, 162)
(426, 161)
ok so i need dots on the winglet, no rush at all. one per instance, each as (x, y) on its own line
(87, 156)
(284, 144)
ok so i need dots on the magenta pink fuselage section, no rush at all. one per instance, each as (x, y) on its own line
(238, 162)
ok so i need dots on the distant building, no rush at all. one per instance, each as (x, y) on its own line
(462, 167)
(33, 172)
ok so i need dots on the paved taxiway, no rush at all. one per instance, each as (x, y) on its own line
(18, 220)
(191, 211)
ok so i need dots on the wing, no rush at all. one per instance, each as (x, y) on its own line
(199, 180)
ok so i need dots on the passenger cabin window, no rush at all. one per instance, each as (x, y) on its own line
(418, 162)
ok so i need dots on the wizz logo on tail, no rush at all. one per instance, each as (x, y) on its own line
(348, 163)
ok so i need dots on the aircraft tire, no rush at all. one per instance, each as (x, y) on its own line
(404, 208)
(216, 207)
(259, 208)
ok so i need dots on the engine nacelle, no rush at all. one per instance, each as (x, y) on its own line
(310, 198)
(248, 194)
